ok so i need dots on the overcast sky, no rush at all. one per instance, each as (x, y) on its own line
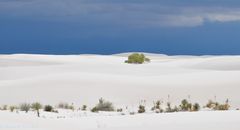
(197, 27)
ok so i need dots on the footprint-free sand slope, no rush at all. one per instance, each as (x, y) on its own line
(205, 120)
(82, 79)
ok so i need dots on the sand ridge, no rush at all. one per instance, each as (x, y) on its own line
(82, 79)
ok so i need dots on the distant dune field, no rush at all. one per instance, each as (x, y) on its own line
(82, 79)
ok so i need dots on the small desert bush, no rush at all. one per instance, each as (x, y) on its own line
(185, 105)
(71, 107)
(141, 109)
(175, 109)
(37, 106)
(5, 107)
(103, 106)
(217, 106)
(84, 108)
(211, 104)
(12, 108)
(132, 113)
(55, 111)
(25, 107)
(223, 107)
(119, 110)
(65, 106)
(137, 58)
(157, 107)
(169, 108)
(48, 108)
(147, 59)
(94, 109)
(196, 107)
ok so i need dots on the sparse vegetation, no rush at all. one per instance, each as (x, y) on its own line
(119, 110)
(132, 113)
(217, 106)
(108, 106)
(84, 108)
(94, 109)
(169, 108)
(4, 107)
(48, 108)
(175, 109)
(65, 106)
(37, 106)
(141, 109)
(157, 108)
(137, 58)
(12, 108)
(25, 107)
(211, 104)
(196, 107)
(71, 107)
(185, 105)
(103, 106)
(222, 107)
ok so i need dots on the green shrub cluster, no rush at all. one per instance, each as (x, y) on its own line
(137, 58)
(103, 106)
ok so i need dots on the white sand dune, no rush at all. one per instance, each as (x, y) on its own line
(82, 79)
(228, 120)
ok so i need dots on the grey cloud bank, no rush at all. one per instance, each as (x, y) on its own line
(131, 13)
